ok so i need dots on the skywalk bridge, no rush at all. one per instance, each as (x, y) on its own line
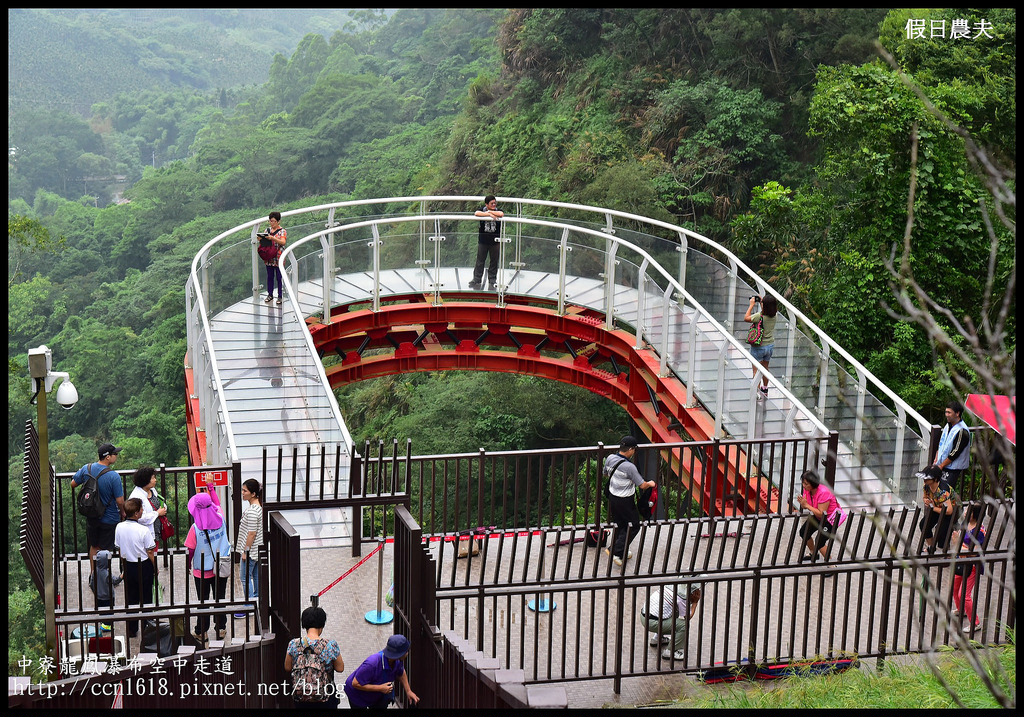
(646, 313)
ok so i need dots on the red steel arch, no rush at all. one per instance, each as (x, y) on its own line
(462, 334)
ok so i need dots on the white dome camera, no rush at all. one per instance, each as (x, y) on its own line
(67, 394)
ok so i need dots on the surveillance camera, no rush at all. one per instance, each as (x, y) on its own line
(67, 395)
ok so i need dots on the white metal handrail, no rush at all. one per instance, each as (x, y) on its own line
(646, 261)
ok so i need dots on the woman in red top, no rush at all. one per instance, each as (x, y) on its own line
(825, 514)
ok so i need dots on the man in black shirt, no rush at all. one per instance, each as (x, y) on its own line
(487, 243)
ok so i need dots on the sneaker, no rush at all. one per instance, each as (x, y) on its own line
(658, 640)
(617, 560)
(474, 285)
(807, 556)
(268, 299)
(954, 614)
(677, 655)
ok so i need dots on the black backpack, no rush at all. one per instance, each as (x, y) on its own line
(89, 503)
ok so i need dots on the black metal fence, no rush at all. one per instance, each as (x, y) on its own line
(543, 602)
(539, 488)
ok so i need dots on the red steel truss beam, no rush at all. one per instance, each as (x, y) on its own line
(463, 335)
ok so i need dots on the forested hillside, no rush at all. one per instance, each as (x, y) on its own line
(778, 132)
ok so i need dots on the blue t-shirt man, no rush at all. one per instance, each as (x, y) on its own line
(100, 532)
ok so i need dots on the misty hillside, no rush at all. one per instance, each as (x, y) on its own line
(68, 59)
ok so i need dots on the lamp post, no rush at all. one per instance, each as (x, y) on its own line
(40, 361)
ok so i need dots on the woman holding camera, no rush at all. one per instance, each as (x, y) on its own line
(269, 253)
(762, 352)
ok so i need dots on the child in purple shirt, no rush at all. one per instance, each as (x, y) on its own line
(372, 685)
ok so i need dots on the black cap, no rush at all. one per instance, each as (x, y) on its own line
(627, 442)
(929, 473)
(107, 448)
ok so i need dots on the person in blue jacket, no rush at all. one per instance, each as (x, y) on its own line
(954, 445)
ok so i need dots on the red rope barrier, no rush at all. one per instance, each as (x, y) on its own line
(445, 538)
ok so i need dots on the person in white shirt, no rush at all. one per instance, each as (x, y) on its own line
(667, 612)
(250, 539)
(152, 503)
(137, 547)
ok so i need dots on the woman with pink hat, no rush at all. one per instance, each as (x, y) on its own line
(208, 539)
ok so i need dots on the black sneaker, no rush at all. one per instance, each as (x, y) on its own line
(474, 285)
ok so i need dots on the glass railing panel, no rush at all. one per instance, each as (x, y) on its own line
(226, 275)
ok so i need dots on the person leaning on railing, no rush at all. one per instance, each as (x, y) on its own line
(824, 519)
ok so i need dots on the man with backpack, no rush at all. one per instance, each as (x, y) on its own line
(101, 500)
(623, 481)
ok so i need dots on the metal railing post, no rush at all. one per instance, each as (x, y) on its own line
(517, 262)
(823, 380)
(611, 249)
(790, 352)
(897, 468)
(666, 330)
(858, 426)
(329, 267)
(683, 249)
(437, 238)
(691, 369)
(375, 248)
(730, 312)
(255, 262)
(563, 256)
(502, 285)
(720, 389)
(423, 261)
(641, 303)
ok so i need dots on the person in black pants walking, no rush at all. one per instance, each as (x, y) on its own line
(623, 480)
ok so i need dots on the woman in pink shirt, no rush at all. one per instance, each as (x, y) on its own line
(825, 514)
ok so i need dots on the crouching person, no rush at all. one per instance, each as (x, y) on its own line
(667, 614)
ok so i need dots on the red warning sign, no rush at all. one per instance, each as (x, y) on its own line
(220, 478)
